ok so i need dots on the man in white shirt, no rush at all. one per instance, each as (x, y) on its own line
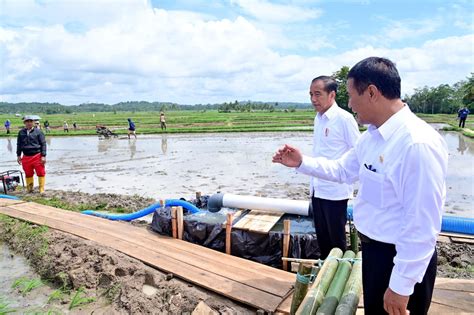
(335, 133)
(401, 163)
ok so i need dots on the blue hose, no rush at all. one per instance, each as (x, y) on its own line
(448, 224)
(141, 213)
(9, 197)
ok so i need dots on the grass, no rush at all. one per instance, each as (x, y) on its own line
(5, 306)
(112, 292)
(58, 203)
(25, 285)
(177, 122)
(25, 233)
(194, 122)
(80, 298)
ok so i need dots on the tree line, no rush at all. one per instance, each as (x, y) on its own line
(441, 99)
(445, 99)
(143, 106)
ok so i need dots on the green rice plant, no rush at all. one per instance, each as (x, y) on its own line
(5, 306)
(80, 298)
(112, 292)
(56, 295)
(25, 285)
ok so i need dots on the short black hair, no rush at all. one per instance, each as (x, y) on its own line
(330, 83)
(377, 71)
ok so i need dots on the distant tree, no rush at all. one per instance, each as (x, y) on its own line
(468, 92)
(342, 98)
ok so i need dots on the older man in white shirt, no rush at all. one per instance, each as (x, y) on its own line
(335, 133)
(401, 163)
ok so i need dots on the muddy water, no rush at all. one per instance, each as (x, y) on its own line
(170, 166)
(12, 268)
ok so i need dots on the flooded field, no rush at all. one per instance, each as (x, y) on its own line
(173, 166)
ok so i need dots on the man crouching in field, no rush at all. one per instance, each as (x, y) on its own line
(32, 143)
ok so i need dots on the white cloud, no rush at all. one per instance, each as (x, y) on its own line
(271, 12)
(158, 55)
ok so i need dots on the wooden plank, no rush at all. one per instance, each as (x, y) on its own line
(142, 234)
(174, 225)
(245, 273)
(444, 239)
(8, 202)
(462, 240)
(450, 234)
(180, 223)
(202, 277)
(465, 285)
(286, 242)
(228, 234)
(462, 301)
(285, 305)
(258, 221)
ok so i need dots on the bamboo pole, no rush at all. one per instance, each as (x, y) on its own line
(162, 203)
(228, 233)
(286, 242)
(300, 260)
(316, 291)
(301, 288)
(173, 222)
(180, 223)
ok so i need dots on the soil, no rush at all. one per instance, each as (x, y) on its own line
(100, 201)
(129, 285)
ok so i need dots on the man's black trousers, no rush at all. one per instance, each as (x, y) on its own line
(330, 217)
(462, 122)
(377, 265)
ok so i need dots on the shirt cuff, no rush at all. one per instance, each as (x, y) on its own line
(304, 168)
(401, 285)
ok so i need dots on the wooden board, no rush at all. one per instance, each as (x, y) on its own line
(245, 281)
(7, 202)
(258, 221)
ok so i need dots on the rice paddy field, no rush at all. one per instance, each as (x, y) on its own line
(194, 121)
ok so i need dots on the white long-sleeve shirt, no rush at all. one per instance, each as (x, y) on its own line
(402, 169)
(335, 133)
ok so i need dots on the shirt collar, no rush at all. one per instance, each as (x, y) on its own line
(392, 124)
(331, 112)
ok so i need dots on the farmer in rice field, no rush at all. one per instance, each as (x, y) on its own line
(32, 144)
(131, 128)
(401, 163)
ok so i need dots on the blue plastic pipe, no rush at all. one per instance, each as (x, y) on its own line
(9, 197)
(448, 224)
(141, 213)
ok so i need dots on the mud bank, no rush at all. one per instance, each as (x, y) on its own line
(127, 284)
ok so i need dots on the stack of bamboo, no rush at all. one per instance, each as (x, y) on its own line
(336, 289)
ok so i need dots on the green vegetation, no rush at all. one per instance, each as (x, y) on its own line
(80, 298)
(444, 98)
(5, 306)
(25, 285)
(112, 292)
(177, 121)
(58, 203)
(25, 233)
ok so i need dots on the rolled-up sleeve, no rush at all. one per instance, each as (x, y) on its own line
(422, 190)
(343, 170)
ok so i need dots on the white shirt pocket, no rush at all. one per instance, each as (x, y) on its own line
(371, 187)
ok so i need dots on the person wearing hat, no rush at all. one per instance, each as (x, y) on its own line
(32, 144)
(131, 128)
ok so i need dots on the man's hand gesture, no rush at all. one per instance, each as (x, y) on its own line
(288, 156)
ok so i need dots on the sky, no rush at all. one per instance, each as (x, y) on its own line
(203, 51)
